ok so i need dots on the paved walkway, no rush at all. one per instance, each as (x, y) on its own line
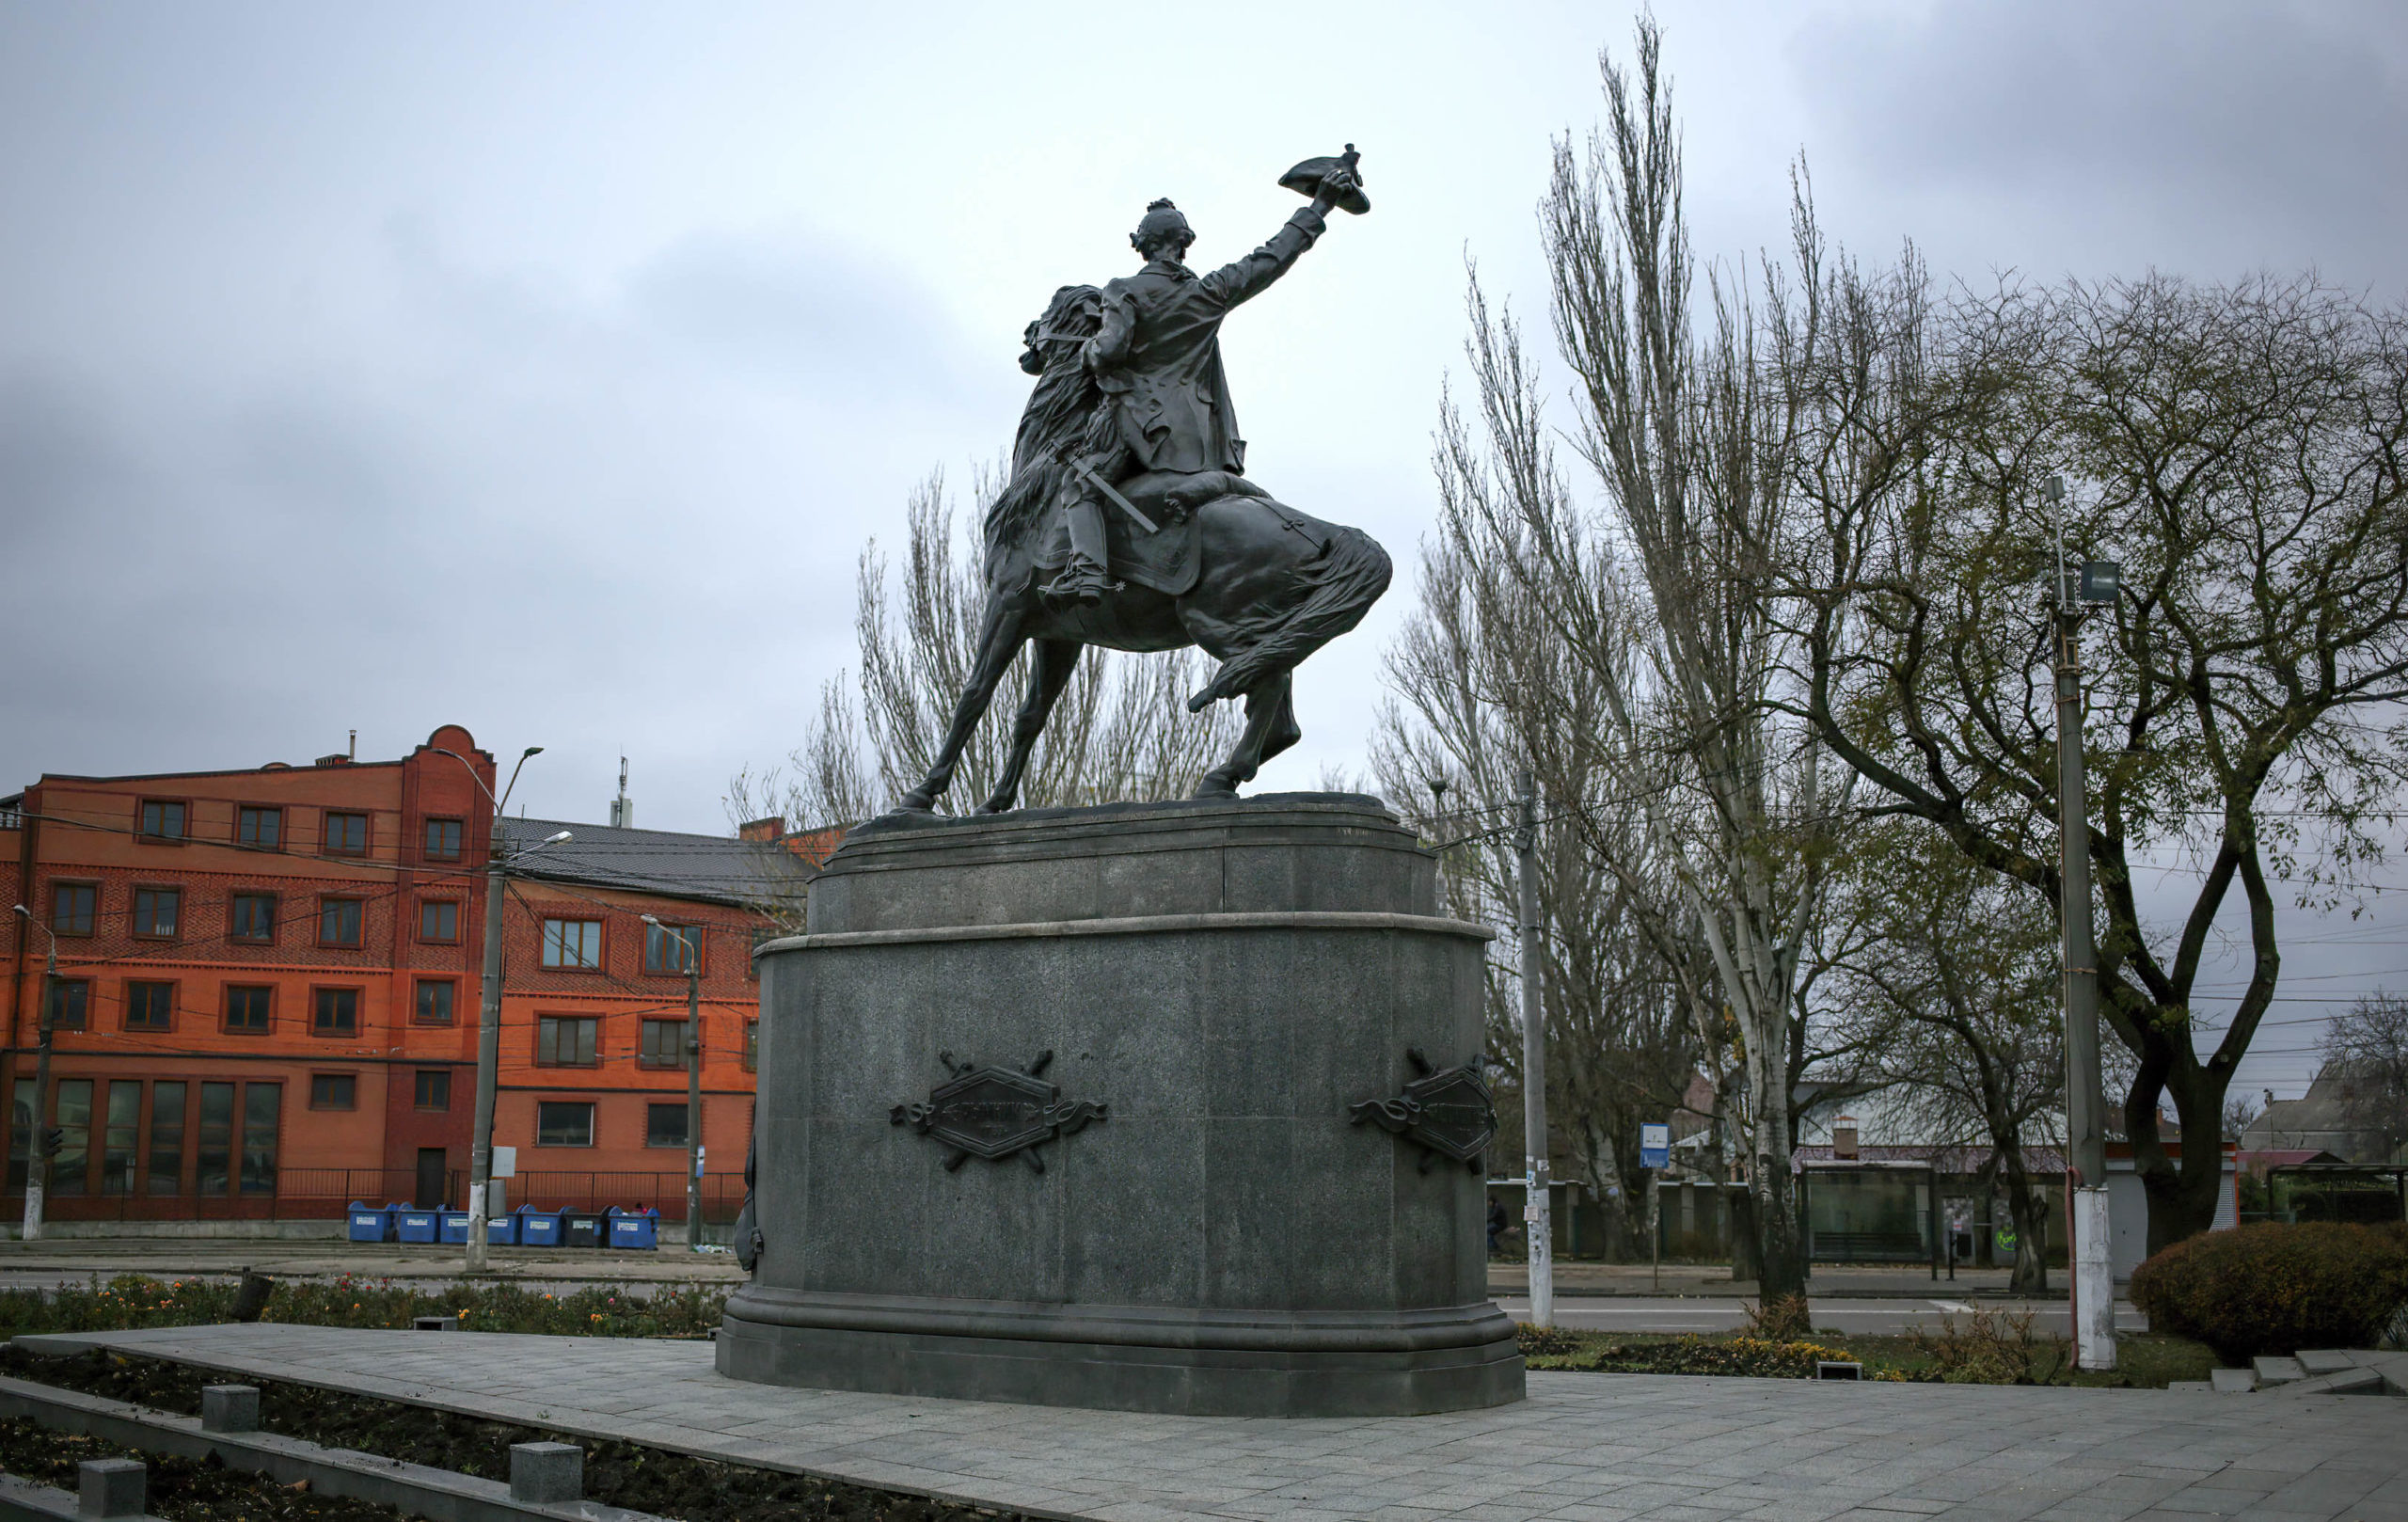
(1862, 1316)
(1584, 1448)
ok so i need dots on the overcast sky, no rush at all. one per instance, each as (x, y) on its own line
(544, 368)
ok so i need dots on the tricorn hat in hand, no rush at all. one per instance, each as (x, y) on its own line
(1305, 179)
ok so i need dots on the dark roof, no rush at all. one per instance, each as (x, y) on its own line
(716, 870)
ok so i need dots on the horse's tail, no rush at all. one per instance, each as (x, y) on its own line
(1338, 585)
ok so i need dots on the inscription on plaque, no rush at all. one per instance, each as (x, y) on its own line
(996, 1112)
(1449, 1114)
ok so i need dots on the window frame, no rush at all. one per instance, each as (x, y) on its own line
(452, 1010)
(648, 1059)
(226, 1009)
(142, 831)
(660, 938)
(552, 945)
(125, 1006)
(57, 996)
(426, 845)
(593, 1126)
(652, 1107)
(352, 1092)
(553, 1023)
(456, 906)
(92, 921)
(233, 916)
(318, 992)
(367, 833)
(752, 1044)
(133, 912)
(418, 1086)
(360, 938)
(275, 809)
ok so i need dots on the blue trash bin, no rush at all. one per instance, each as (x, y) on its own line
(501, 1230)
(371, 1223)
(410, 1224)
(538, 1228)
(638, 1230)
(455, 1226)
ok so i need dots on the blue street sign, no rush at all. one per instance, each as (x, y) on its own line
(1655, 1146)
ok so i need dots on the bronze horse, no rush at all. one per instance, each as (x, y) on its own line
(1272, 585)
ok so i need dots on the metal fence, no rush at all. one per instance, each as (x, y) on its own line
(322, 1194)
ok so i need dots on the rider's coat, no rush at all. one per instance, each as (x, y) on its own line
(1158, 353)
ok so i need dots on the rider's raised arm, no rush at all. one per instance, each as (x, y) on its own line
(1251, 275)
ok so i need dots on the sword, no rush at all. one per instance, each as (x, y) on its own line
(1105, 486)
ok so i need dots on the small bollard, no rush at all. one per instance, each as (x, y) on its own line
(435, 1324)
(547, 1472)
(111, 1487)
(229, 1408)
(251, 1295)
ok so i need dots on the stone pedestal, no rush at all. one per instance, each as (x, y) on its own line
(1156, 1107)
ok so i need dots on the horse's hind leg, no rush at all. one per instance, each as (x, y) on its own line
(1048, 672)
(1269, 728)
(998, 643)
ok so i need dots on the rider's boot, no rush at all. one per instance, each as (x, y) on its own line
(1085, 580)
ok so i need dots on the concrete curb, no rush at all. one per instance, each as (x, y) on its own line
(21, 1500)
(439, 1495)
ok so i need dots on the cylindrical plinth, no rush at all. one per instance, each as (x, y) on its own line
(1205, 1018)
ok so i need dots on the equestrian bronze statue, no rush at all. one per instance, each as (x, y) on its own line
(1127, 521)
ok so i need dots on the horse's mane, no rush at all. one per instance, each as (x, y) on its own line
(1058, 413)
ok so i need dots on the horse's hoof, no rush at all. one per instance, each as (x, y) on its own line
(1215, 787)
(996, 805)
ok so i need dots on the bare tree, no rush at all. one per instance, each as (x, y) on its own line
(1120, 731)
(2239, 449)
(1957, 995)
(2367, 1047)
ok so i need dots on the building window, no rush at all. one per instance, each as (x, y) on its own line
(338, 922)
(752, 1046)
(664, 1125)
(72, 1117)
(668, 948)
(664, 1044)
(334, 1091)
(344, 834)
(334, 1012)
(434, 1090)
(572, 943)
(120, 1130)
(563, 1122)
(214, 1171)
(166, 1165)
(149, 1007)
(443, 840)
(433, 1007)
(74, 906)
(253, 918)
(248, 1010)
(439, 919)
(259, 828)
(156, 911)
(70, 1003)
(563, 1041)
(262, 1105)
(162, 820)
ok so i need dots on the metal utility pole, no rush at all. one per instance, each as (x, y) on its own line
(489, 1009)
(2093, 1289)
(693, 954)
(1538, 1224)
(38, 1142)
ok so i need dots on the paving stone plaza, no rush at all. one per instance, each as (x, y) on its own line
(1583, 1448)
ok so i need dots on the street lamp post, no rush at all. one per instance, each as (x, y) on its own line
(38, 1142)
(693, 954)
(489, 1012)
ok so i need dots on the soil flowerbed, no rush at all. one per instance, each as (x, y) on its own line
(1984, 1350)
(181, 1490)
(618, 1473)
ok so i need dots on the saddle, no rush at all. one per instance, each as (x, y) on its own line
(1168, 559)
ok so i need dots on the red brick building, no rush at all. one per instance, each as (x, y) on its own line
(269, 981)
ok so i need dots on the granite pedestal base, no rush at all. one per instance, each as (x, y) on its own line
(1110, 1107)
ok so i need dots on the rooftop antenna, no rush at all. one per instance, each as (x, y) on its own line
(623, 808)
(352, 751)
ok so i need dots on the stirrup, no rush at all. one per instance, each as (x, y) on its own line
(1080, 583)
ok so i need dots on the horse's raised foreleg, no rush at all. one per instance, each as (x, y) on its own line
(998, 643)
(1269, 728)
(1048, 672)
